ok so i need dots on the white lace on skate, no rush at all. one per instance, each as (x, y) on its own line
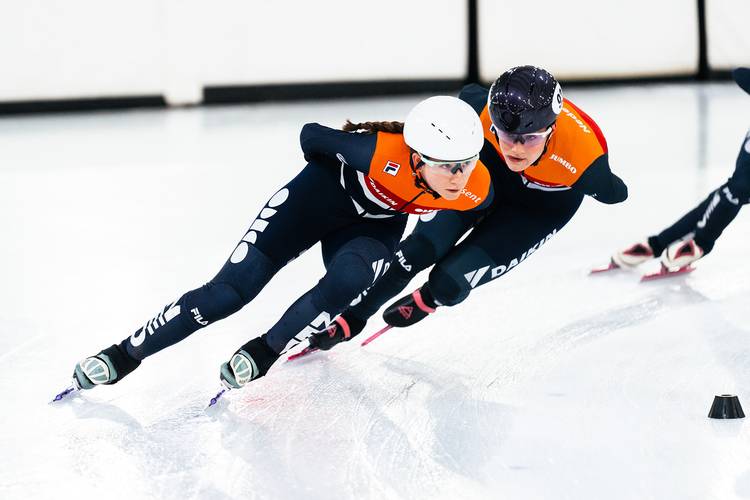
(634, 255)
(681, 254)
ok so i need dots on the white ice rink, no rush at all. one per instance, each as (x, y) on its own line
(545, 384)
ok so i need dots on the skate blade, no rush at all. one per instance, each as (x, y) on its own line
(303, 352)
(376, 335)
(65, 392)
(216, 398)
(665, 272)
(610, 267)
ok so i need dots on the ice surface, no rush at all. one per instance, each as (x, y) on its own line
(546, 384)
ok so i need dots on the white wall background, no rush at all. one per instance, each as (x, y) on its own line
(81, 48)
(586, 39)
(109, 48)
(728, 27)
(93, 48)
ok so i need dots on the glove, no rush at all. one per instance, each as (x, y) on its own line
(343, 329)
(410, 309)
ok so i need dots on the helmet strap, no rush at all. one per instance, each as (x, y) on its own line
(419, 182)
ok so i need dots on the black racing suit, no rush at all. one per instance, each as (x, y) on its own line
(707, 221)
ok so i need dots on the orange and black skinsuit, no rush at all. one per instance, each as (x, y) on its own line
(353, 197)
(529, 208)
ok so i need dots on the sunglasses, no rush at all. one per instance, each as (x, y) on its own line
(530, 139)
(448, 168)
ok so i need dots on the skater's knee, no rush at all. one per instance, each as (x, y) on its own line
(247, 277)
(352, 270)
(446, 288)
(211, 302)
(236, 284)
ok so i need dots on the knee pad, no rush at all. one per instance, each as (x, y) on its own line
(446, 288)
(211, 302)
(351, 270)
(235, 285)
(415, 254)
(249, 275)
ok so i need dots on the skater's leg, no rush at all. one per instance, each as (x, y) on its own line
(291, 222)
(681, 228)
(721, 211)
(726, 203)
(235, 285)
(643, 251)
(432, 238)
(354, 256)
(708, 220)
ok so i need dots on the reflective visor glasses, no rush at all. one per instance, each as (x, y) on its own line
(448, 168)
(530, 139)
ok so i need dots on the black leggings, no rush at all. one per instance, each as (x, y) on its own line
(312, 207)
(708, 220)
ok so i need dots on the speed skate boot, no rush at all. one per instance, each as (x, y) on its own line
(251, 361)
(681, 254)
(634, 255)
(107, 367)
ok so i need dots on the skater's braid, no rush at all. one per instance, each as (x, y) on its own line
(372, 127)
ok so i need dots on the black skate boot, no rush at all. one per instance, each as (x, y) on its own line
(107, 367)
(251, 361)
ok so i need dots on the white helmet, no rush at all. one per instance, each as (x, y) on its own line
(444, 128)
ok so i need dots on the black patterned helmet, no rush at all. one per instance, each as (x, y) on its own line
(524, 99)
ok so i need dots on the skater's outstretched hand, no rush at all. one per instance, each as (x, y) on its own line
(410, 309)
(345, 327)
